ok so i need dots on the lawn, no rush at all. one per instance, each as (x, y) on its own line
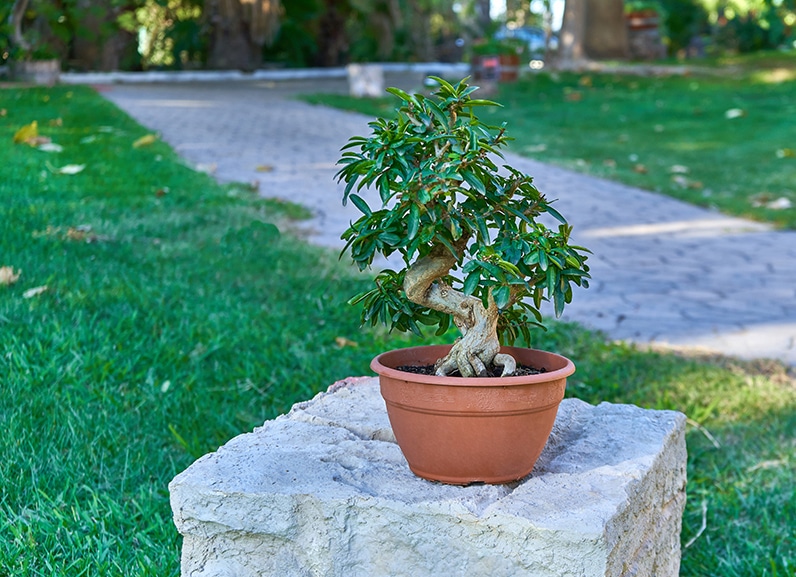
(177, 315)
(723, 141)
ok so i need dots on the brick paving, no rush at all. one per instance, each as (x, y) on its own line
(664, 272)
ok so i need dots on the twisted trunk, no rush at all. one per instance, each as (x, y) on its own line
(479, 345)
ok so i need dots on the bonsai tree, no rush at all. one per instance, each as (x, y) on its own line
(446, 207)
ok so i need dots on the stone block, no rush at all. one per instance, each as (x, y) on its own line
(365, 80)
(325, 491)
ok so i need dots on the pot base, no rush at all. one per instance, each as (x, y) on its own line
(468, 430)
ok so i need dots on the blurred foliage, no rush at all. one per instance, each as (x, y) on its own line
(177, 33)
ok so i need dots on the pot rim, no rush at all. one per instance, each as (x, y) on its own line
(381, 369)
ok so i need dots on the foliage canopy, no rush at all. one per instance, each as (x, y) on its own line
(440, 189)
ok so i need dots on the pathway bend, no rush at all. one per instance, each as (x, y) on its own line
(664, 272)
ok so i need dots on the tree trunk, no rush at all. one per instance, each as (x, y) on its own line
(606, 30)
(100, 44)
(479, 345)
(570, 46)
(231, 46)
(17, 15)
(332, 36)
(592, 29)
(420, 30)
(483, 16)
(240, 29)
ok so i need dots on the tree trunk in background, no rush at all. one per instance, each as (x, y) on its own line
(99, 43)
(420, 30)
(606, 30)
(573, 27)
(332, 36)
(239, 30)
(17, 15)
(592, 29)
(483, 16)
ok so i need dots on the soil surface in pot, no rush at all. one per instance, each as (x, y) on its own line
(492, 370)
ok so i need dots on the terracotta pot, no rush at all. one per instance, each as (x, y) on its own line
(461, 431)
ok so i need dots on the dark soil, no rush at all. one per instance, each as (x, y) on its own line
(492, 370)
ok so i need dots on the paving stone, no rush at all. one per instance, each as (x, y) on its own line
(642, 242)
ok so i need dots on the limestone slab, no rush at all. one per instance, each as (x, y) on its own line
(325, 491)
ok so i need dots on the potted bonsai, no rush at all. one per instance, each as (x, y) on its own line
(476, 254)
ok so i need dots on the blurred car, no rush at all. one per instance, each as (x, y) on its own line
(532, 36)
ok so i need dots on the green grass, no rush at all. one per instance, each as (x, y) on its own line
(188, 319)
(636, 129)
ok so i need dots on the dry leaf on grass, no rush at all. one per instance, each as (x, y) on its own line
(343, 342)
(69, 169)
(3, 112)
(27, 133)
(767, 200)
(57, 122)
(50, 147)
(34, 292)
(8, 275)
(681, 180)
(80, 233)
(786, 153)
(573, 96)
(49, 231)
(640, 168)
(145, 140)
(207, 168)
(781, 203)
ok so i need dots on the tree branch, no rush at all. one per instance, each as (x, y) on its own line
(17, 15)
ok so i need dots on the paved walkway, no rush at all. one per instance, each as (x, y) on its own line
(664, 272)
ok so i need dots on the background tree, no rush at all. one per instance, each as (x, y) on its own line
(592, 29)
(239, 29)
(98, 41)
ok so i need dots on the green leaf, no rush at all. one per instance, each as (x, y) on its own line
(414, 221)
(361, 204)
(399, 93)
(471, 282)
(482, 228)
(542, 259)
(481, 102)
(473, 181)
(501, 295)
(558, 300)
(555, 214)
(384, 188)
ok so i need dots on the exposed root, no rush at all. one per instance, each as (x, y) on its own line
(479, 346)
(507, 362)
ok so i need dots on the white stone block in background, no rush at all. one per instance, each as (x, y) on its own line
(365, 80)
(325, 491)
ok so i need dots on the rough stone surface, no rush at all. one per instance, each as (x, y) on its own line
(325, 491)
